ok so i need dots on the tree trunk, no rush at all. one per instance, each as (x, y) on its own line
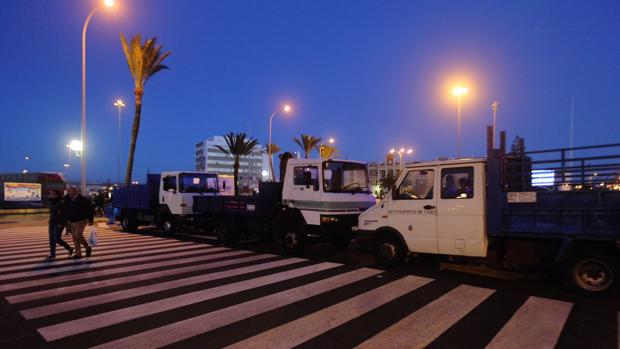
(134, 136)
(236, 175)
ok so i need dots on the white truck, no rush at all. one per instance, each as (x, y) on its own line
(495, 210)
(165, 200)
(315, 200)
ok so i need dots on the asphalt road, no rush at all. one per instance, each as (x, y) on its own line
(147, 290)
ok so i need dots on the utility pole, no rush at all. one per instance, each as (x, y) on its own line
(494, 106)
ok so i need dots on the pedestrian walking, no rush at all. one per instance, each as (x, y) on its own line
(80, 212)
(56, 224)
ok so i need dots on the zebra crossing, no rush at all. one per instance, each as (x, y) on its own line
(142, 291)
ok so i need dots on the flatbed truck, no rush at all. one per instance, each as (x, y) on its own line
(315, 200)
(165, 200)
(519, 209)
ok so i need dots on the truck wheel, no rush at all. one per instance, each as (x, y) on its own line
(389, 250)
(593, 275)
(167, 225)
(128, 222)
(293, 241)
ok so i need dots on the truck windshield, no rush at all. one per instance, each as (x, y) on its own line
(345, 177)
(198, 183)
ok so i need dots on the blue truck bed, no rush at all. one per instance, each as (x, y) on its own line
(138, 196)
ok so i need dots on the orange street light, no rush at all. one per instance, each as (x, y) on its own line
(459, 91)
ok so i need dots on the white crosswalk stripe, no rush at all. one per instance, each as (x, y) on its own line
(134, 278)
(423, 326)
(537, 324)
(301, 330)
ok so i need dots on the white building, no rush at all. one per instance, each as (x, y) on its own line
(253, 167)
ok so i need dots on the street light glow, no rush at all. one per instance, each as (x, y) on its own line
(409, 151)
(460, 90)
(392, 151)
(119, 103)
(108, 3)
(287, 108)
(75, 145)
(331, 141)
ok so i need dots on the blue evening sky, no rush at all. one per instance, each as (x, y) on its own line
(371, 74)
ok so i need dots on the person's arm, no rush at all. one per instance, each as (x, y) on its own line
(90, 211)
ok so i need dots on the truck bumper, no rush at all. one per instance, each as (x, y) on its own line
(333, 226)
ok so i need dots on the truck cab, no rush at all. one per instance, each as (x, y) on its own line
(326, 197)
(177, 189)
(436, 207)
(165, 199)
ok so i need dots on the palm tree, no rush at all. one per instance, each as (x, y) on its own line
(238, 145)
(272, 149)
(388, 182)
(144, 61)
(327, 151)
(307, 143)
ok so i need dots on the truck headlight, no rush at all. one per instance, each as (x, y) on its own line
(328, 219)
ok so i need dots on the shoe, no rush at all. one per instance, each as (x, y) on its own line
(89, 251)
(70, 251)
(51, 257)
(76, 256)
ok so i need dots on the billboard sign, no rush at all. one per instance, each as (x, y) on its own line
(30, 192)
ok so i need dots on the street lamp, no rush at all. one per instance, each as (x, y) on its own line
(494, 107)
(459, 91)
(287, 109)
(106, 3)
(330, 141)
(119, 103)
(401, 152)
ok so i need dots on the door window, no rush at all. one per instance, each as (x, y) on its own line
(170, 182)
(306, 175)
(457, 183)
(417, 185)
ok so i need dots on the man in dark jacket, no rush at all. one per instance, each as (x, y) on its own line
(80, 212)
(56, 223)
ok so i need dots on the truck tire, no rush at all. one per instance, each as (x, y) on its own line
(166, 224)
(389, 250)
(593, 274)
(293, 240)
(129, 222)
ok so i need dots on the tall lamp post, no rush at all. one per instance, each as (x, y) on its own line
(106, 3)
(401, 152)
(286, 108)
(120, 106)
(459, 91)
(494, 107)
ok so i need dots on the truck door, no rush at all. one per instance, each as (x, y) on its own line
(460, 211)
(412, 210)
(305, 194)
(168, 195)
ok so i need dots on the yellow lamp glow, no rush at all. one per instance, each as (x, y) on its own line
(287, 108)
(460, 90)
(108, 3)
